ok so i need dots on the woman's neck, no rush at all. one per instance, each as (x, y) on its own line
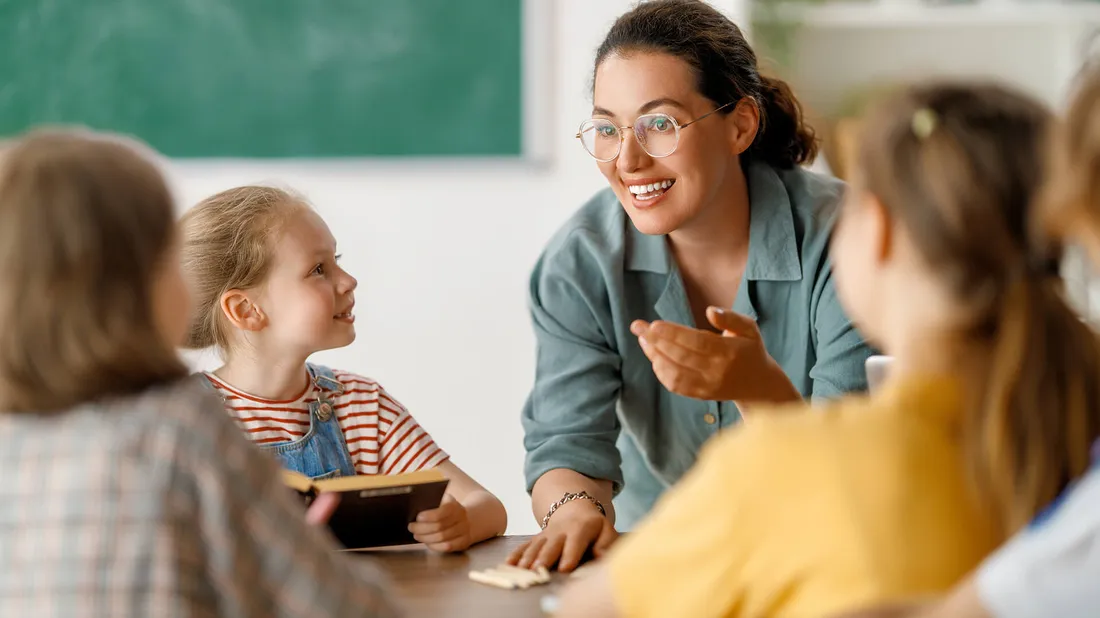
(717, 239)
(280, 381)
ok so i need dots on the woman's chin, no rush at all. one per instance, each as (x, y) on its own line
(654, 222)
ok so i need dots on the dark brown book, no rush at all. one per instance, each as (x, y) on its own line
(375, 511)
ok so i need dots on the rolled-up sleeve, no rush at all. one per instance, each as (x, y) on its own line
(569, 419)
(839, 367)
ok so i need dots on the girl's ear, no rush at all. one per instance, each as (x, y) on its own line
(241, 311)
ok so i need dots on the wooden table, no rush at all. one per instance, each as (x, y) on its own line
(432, 585)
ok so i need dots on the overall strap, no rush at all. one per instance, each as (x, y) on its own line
(324, 378)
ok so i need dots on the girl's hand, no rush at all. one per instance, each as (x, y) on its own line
(731, 366)
(445, 529)
(322, 508)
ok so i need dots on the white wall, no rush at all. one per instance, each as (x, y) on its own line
(1036, 46)
(442, 252)
(1040, 58)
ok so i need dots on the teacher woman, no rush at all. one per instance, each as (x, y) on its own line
(707, 208)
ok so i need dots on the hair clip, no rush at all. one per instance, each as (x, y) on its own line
(924, 122)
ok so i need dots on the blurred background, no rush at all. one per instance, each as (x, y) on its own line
(437, 139)
(839, 54)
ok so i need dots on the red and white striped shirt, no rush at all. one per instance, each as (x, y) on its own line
(382, 437)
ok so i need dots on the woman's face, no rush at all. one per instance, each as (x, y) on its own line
(691, 179)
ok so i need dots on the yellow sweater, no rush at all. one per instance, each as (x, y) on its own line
(811, 511)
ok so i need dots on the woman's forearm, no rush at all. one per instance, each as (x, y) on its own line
(556, 483)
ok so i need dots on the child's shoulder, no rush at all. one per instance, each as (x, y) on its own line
(186, 401)
(792, 431)
(797, 425)
(849, 427)
(178, 422)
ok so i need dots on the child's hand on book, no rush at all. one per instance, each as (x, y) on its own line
(445, 529)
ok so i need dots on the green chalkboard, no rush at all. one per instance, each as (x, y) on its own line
(270, 78)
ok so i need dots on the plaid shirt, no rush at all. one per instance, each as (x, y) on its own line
(157, 505)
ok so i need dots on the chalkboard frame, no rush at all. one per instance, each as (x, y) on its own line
(537, 111)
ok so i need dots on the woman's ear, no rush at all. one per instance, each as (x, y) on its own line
(743, 123)
(241, 311)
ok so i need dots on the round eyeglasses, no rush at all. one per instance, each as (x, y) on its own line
(658, 134)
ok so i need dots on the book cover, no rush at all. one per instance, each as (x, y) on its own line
(375, 511)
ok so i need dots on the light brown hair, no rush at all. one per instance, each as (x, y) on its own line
(85, 223)
(228, 245)
(1071, 202)
(726, 71)
(960, 166)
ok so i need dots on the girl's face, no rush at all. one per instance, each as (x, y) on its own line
(859, 251)
(663, 194)
(307, 300)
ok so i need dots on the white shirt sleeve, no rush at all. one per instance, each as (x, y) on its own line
(1052, 569)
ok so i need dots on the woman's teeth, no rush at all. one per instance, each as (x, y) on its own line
(651, 190)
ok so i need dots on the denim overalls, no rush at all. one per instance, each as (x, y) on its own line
(322, 452)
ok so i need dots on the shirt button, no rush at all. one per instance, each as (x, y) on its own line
(324, 411)
(709, 418)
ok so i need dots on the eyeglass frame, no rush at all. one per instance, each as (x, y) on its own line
(622, 133)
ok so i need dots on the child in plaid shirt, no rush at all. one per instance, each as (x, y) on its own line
(127, 490)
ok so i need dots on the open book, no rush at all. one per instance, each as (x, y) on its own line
(375, 511)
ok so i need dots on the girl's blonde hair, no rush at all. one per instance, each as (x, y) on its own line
(86, 221)
(228, 245)
(960, 166)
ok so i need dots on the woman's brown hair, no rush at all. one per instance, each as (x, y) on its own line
(85, 225)
(726, 71)
(960, 166)
(227, 245)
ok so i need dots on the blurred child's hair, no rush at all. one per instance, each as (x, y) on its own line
(960, 165)
(228, 245)
(1071, 203)
(86, 221)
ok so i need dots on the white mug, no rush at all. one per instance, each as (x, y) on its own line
(877, 368)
